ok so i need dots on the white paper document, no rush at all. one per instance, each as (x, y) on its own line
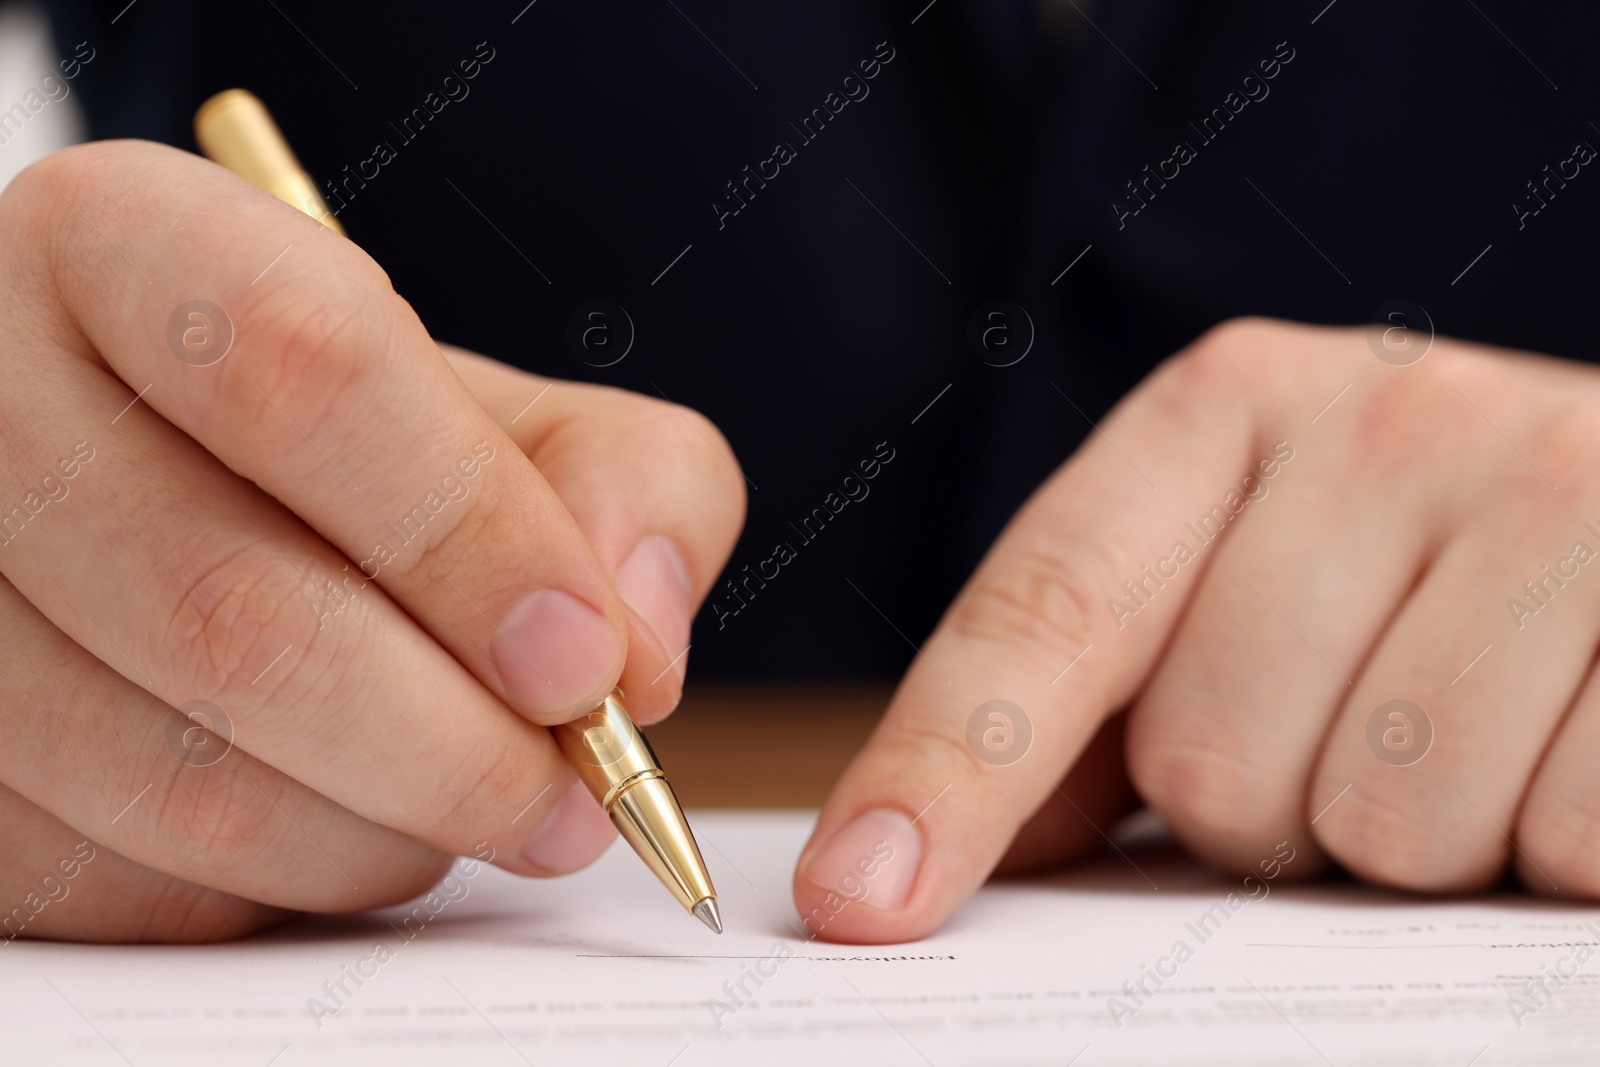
(1142, 959)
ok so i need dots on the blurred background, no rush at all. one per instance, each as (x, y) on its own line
(1004, 158)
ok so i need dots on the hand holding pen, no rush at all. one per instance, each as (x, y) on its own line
(375, 571)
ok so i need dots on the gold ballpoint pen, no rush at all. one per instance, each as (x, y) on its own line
(616, 763)
(235, 129)
(605, 746)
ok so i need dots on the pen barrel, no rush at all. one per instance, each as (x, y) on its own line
(235, 129)
(615, 762)
(607, 750)
(648, 816)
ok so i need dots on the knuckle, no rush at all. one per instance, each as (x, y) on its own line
(1567, 444)
(1388, 422)
(39, 207)
(234, 613)
(445, 541)
(1409, 843)
(935, 744)
(1231, 350)
(1215, 372)
(245, 823)
(916, 755)
(317, 345)
(1039, 593)
(210, 819)
(472, 803)
(1205, 788)
(1559, 835)
(181, 912)
(62, 173)
(29, 193)
(37, 203)
(693, 443)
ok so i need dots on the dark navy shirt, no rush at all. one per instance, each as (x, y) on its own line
(836, 226)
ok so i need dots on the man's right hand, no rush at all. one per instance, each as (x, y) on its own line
(295, 522)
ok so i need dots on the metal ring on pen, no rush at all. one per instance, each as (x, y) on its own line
(621, 787)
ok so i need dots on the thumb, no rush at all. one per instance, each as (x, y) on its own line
(1029, 660)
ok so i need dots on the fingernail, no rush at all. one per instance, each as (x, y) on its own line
(573, 836)
(654, 582)
(553, 651)
(872, 861)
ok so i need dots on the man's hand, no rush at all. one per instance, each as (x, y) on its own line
(317, 540)
(1270, 540)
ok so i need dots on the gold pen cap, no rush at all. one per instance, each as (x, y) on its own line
(615, 762)
(235, 129)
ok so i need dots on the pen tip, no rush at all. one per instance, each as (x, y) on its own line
(706, 912)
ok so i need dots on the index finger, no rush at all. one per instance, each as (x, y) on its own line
(1025, 665)
(284, 350)
(367, 709)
